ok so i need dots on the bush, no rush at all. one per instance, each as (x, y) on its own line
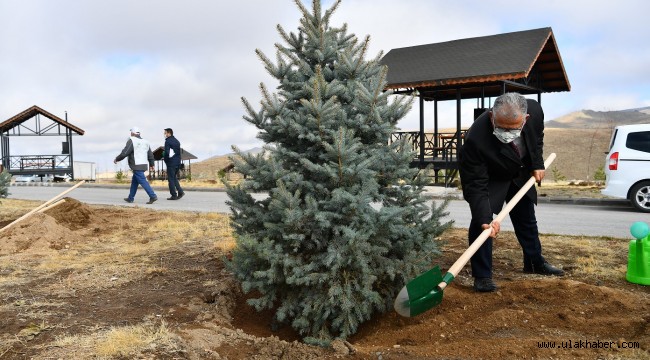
(557, 175)
(599, 175)
(120, 176)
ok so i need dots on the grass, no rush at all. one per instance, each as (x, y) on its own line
(119, 342)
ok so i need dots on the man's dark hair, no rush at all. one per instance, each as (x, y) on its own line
(170, 131)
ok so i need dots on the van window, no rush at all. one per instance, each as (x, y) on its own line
(613, 138)
(639, 141)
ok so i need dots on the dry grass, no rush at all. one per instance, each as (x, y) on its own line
(119, 342)
(131, 340)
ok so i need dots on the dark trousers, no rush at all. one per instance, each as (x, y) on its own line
(525, 225)
(172, 180)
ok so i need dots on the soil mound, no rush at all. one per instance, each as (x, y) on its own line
(39, 232)
(73, 214)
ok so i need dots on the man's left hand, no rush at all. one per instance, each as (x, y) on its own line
(539, 175)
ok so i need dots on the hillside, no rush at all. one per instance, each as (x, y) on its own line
(589, 119)
(581, 139)
(209, 168)
(580, 152)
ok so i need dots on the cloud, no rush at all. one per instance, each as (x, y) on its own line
(185, 65)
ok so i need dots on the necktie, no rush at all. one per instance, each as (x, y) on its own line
(515, 148)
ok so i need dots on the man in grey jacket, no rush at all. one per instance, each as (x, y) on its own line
(139, 154)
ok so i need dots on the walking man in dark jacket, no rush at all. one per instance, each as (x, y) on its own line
(502, 149)
(139, 153)
(172, 156)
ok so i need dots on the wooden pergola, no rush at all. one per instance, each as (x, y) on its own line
(527, 62)
(35, 121)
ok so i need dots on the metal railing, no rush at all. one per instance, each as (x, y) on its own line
(38, 162)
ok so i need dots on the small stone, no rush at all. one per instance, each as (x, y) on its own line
(339, 347)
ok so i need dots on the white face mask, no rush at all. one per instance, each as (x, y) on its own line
(507, 136)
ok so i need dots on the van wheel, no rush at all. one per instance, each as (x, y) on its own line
(640, 196)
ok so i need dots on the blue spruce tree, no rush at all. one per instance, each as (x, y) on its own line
(5, 180)
(344, 225)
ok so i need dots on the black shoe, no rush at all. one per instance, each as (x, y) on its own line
(152, 200)
(181, 194)
(173, 198)
(544, 269)
(484, 285)
(128, 200)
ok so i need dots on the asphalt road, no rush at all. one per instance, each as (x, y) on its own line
(612, 219)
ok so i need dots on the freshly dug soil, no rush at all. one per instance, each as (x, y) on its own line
(185, 286)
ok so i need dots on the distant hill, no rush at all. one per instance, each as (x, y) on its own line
(581, 139)
(589, 119)
(210, 167)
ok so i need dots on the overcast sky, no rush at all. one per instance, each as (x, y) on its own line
(186, 64)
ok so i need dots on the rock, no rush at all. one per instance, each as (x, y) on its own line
(339, 347)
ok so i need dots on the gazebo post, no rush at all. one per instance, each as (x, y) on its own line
(421, 131)
(435, 124)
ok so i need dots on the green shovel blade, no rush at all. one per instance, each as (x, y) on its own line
(423, 291)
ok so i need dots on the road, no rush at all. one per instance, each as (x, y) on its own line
(565, 219)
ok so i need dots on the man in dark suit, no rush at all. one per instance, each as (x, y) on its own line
(172, 157)
(502, 149)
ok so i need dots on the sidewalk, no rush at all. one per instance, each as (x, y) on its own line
(440, 192)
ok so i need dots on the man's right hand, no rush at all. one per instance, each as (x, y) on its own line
(496, 227)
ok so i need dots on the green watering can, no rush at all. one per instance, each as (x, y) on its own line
(638, 261)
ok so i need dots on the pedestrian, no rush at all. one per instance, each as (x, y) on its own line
(502, 149)
(139, 154)
(172, 156)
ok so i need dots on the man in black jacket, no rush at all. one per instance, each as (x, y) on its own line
(502, 149)
(172, 156)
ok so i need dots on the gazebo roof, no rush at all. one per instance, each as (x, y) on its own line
(185, 155)
(479, 66)
(29, 113)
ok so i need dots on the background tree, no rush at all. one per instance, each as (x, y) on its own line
(5, 180)
(345, 224)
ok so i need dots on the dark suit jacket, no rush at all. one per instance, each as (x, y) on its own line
(488, 167)
(172, 143)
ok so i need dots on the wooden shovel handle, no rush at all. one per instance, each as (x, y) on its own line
(464, 258)
(42, 206)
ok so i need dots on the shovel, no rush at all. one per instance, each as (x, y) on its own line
(425, 291)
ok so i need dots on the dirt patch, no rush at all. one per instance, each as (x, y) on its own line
(74, 214)
(40, 232)
(79, 281)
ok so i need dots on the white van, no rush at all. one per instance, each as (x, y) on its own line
(627, 165)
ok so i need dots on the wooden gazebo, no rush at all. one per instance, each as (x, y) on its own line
(527, 62)
(35, 121)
